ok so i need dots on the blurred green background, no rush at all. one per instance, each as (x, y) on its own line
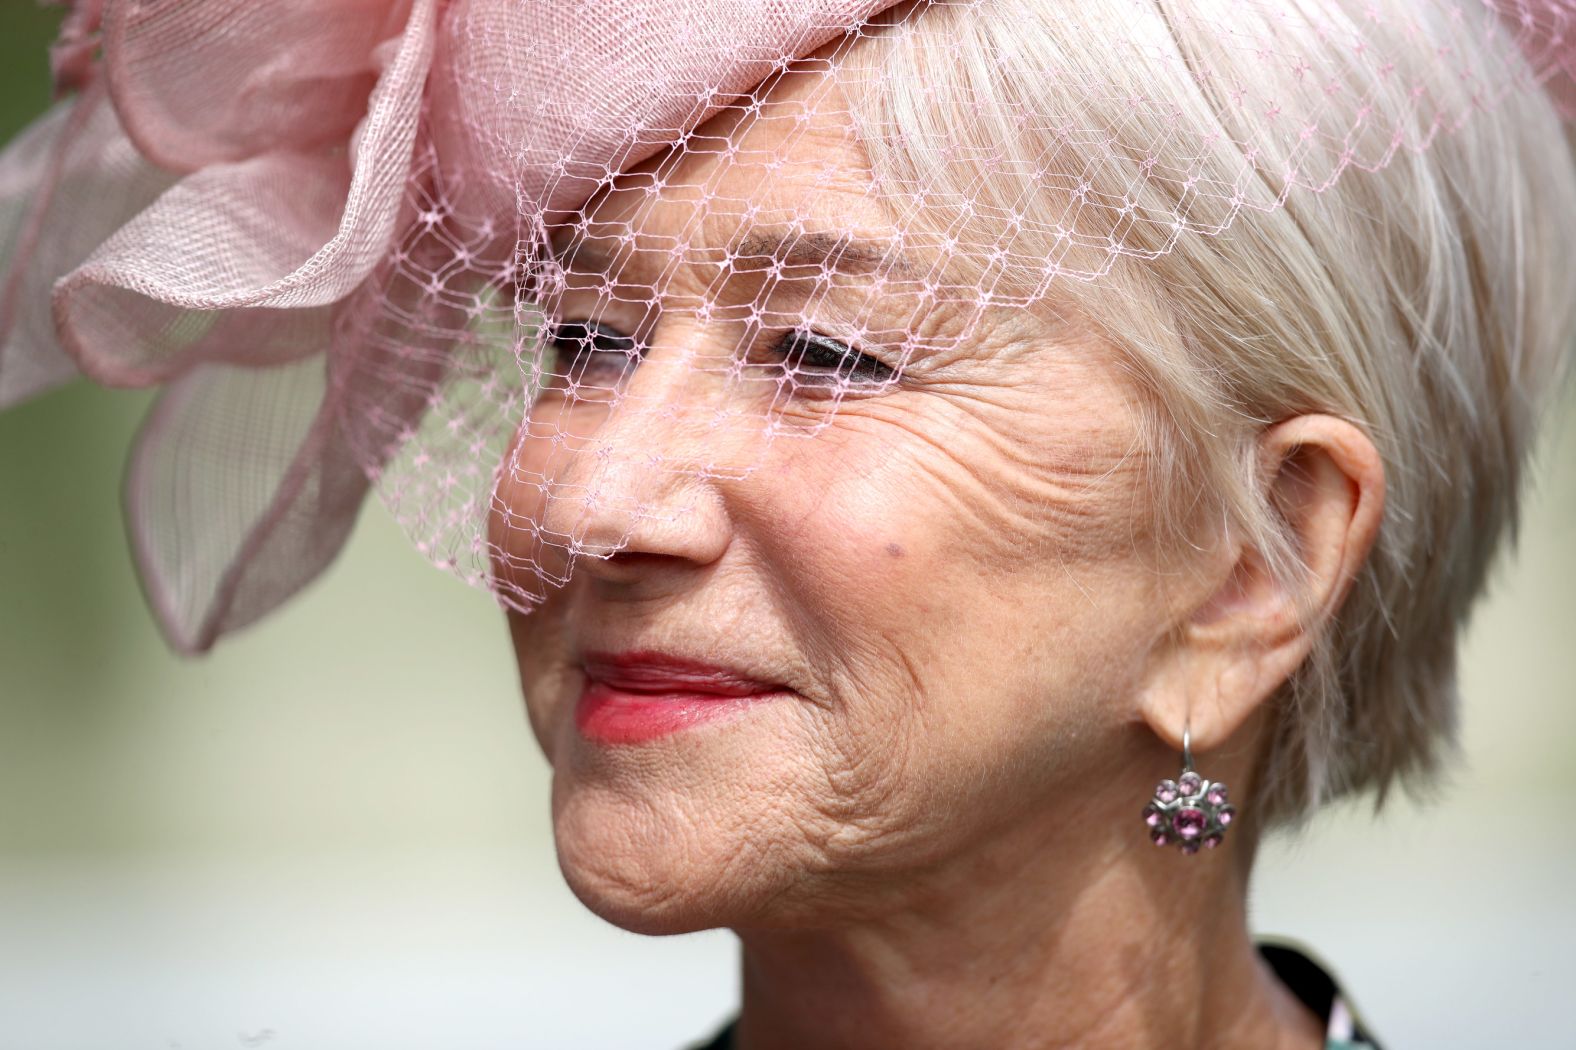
(333, 832)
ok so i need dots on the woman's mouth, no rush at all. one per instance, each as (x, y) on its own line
(635, 696)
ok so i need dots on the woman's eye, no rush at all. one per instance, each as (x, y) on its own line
(813, 358)
(591, 353)
(587, 351)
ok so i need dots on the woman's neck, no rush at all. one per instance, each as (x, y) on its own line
(1131, 949)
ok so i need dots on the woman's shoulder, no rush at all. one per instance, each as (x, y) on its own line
(1296, 966)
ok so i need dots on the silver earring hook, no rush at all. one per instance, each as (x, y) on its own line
(1187, 745)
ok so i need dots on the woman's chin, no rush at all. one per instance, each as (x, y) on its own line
(639, 909)
(634, 871)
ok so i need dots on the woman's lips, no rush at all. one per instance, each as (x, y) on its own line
(632, 697)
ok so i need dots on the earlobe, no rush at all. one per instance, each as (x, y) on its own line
(1260, 615)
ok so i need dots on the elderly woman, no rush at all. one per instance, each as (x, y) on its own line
(965, 447)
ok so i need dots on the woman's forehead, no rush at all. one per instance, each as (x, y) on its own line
(776, 176)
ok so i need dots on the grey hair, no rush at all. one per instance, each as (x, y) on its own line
(1429, 301)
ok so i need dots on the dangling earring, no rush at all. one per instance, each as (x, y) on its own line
(1189, 810)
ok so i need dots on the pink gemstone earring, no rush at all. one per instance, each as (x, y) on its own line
(1189, 810)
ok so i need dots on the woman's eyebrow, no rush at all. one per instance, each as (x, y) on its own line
(788, 247)
(841, 253)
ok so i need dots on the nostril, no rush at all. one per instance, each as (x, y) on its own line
(639, 559)
(628, 566)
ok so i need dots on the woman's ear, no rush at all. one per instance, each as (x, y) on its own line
(1253, 627)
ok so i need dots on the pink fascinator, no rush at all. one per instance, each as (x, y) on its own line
(245, 205)
(319, 228)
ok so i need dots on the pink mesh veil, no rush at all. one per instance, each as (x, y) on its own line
(340, 235)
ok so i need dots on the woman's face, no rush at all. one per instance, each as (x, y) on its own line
(936, 587)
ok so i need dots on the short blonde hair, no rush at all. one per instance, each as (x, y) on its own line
(1429, 300)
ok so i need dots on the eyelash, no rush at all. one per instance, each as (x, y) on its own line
(826, 357)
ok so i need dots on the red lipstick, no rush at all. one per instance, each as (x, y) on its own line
(631, 697)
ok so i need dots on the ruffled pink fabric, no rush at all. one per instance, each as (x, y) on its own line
(67, 184)
(226, 208)
(71, 56)
(586, 90)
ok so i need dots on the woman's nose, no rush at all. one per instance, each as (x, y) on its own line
(629, 485)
